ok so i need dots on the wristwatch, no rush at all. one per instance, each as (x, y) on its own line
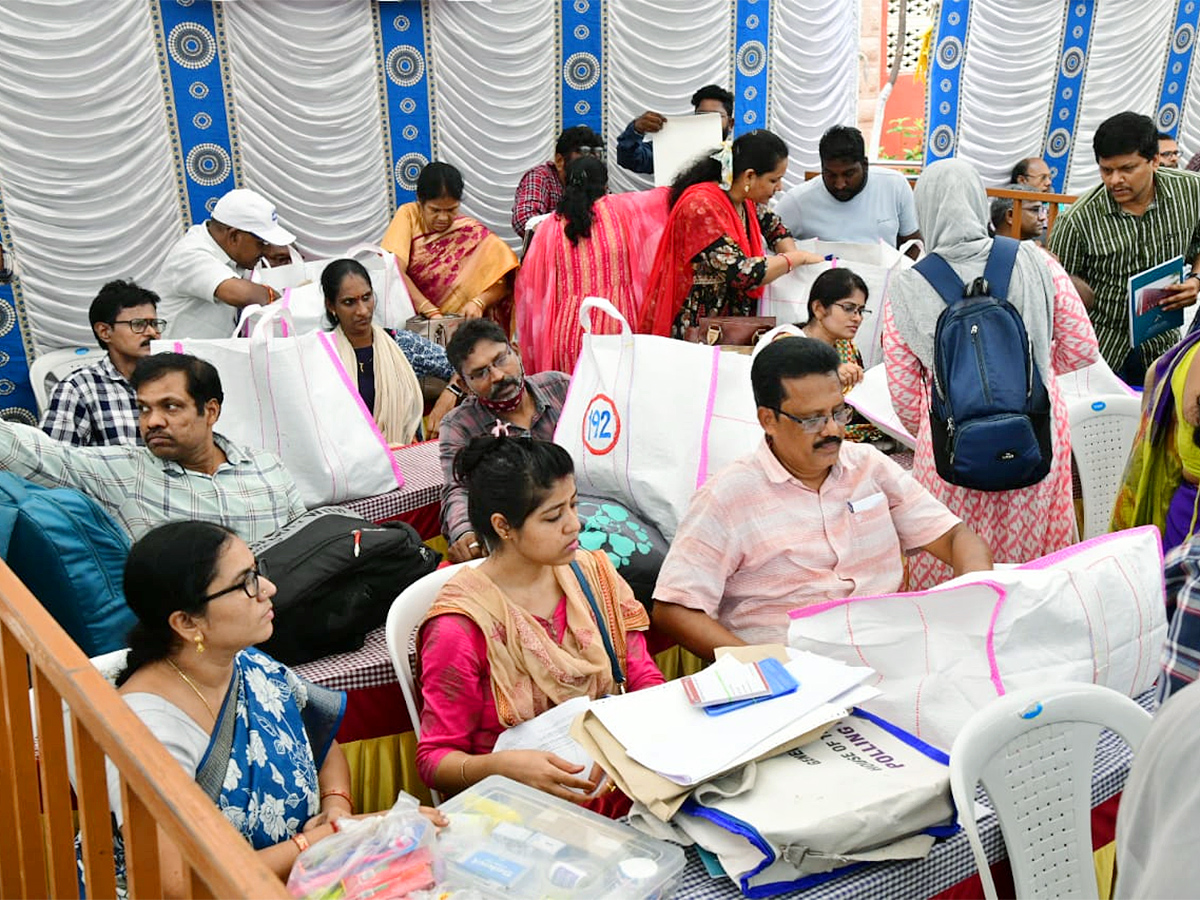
(1195, 275)
(455, 390)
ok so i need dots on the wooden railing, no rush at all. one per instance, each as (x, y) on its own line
(160, 802)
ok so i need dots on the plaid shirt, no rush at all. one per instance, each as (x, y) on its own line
(93, 407)
(472, 419)
(537, 194)
(1181, 653)
(251, 493)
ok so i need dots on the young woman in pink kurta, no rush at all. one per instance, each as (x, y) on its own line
(1022, 524)
(515, 636)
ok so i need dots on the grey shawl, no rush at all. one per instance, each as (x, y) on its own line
(952, 210)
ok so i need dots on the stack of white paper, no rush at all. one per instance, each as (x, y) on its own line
(662, 731)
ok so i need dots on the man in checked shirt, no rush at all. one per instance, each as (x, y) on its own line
(95, 405)
(185, 471)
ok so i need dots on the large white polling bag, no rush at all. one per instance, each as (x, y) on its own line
(300, 287)
(647, 419)
(786, 298)
(864, 791)
(1094, 612)
(293, 397)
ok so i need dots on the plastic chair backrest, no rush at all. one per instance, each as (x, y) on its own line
(1033, 751)
(1102, 432)
(50, 368)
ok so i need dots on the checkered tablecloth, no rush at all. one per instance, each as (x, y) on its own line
(366, 668)
(422, 485)
(950, 861)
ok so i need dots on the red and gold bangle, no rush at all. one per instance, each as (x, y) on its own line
(300, 841)
(334, 792)
(784, 257)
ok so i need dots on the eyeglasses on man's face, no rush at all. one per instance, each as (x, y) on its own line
(139, 326)
(814, 424)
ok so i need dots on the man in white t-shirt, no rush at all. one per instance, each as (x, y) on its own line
(203, 280)
(851, 201)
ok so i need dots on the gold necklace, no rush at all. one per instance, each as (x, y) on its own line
(192, 685)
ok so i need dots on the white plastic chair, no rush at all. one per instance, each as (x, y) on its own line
(1033, 751)
(50, 368)
(1102, 432)
(403, 618)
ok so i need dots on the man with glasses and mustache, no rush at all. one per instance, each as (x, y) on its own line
(204, 280)
(499, 399)
(805, 519)
(96, 405)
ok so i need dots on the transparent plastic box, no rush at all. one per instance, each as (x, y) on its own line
(506, 839)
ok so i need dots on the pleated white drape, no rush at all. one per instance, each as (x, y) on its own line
(814, 79)
(495, 96)
(307, 108)
(85, 158)
(659, 53)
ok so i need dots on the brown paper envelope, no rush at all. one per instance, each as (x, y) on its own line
(755, 653)
(660, 795)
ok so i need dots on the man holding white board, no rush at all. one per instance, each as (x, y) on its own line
(636, 154)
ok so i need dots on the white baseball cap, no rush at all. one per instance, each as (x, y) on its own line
(249, 211)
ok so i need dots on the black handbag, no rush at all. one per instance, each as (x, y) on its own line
(337, 575)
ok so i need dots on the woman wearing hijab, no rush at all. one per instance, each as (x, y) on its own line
(1024, 523)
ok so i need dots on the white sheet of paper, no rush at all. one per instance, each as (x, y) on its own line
(681, 141)
(551, 731)
(662, 731)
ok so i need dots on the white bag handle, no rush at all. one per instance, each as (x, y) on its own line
(909, 244)
(278, 311)
(776, 332)
(604, 306)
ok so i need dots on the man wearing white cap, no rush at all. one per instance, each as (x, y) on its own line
(203, 281)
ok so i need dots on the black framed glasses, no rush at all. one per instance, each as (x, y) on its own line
(249, 583)
(851, 310)
(499, 362)
(139, 326)
(814, 424)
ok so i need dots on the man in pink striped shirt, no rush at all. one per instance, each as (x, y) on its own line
(803, 520)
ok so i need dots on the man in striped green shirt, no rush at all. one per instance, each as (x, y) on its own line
(1139, 217)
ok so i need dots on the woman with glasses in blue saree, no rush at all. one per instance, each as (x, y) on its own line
(258, 739)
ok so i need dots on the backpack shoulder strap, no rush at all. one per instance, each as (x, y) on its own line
(998, 271)
(941, 277)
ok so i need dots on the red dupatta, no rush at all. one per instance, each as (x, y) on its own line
(703, 214)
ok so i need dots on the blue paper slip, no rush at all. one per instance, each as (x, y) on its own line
(779, 680)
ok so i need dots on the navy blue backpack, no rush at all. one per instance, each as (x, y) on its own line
(71, 556)
(990, 411)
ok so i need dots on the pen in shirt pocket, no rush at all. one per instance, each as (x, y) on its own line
(865, 503)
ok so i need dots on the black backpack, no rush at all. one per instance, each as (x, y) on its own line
(989, 414)
(337, 575)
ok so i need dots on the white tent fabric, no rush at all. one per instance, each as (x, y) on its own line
(108, 151)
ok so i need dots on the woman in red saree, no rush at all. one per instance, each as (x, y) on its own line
(451, 263)
(597, 244)
(713, 257)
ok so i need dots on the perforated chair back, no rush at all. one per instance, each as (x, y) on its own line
(1033, 752)
(401, 630)
(52, 367)
(1102, 432)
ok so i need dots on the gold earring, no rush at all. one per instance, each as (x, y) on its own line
(199, 643)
